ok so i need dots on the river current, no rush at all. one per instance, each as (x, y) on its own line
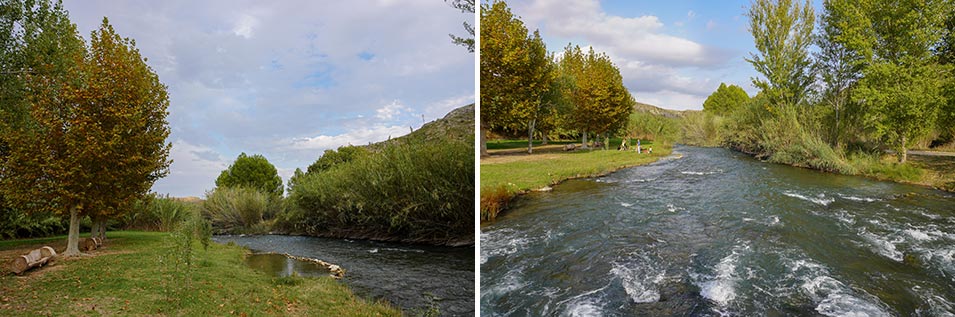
(710, 232)
(412, 277)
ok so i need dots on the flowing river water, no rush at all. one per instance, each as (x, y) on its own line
(412, 277)
(718, 233)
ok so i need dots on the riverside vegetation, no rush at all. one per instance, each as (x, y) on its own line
(855, 106)
(416, 188)
(868, 94)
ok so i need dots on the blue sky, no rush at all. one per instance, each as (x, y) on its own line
(289, 79)
(672, 54)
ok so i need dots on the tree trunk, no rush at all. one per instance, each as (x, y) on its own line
(100, 228)
(584, 146)
(903, 151)
(94, 227)
(73, 241)
(543, 138)
(606, 140)
(483, 134)
(530, 137)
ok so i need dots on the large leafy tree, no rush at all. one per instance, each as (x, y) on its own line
(726, 99)
(252, 171)
(902, 83)
(513, 71)
(93, 135)
(843, 46)
(782, 32)
(127, 104)
(602, 104)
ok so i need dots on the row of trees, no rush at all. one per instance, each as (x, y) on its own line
(525, 88)
(881, 73)
(83, 124)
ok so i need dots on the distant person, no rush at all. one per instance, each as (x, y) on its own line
(623, 145)
(638, 146)
(650, 150)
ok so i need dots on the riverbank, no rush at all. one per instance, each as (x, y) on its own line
(136, 274)
(506, 176)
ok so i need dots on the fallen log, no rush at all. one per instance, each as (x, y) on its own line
(35, 258)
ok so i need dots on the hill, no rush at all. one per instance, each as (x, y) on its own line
(456, 125)
(654, 110)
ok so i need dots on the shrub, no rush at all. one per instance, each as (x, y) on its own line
(412, 189)
(235, 209)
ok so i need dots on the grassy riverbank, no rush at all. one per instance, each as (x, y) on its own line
(504, 177)
(137, 274)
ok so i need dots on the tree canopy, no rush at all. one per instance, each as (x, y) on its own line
(252, 171)
(88, 135)
(725, 99)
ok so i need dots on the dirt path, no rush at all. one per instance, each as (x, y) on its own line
(932, 153)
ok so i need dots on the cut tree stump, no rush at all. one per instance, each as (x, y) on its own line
(35, 258)
(90, 244)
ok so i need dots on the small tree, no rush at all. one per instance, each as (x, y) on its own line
(253, 172)
(782, 32)
(332, 158)
(725, 100)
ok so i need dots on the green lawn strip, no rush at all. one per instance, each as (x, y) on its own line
(516, 144)
(136, 275)
(500, 182)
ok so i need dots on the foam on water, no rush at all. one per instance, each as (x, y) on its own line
(882, 246)
(672, 208)
(640, 279)
(863, 199)
(700, 173)
(721, 288)
(626, 204)
(820, 199)
(585, 304)
(833, 297)
(919, 235)
(935, 305)
(844, 305)
(502, 242)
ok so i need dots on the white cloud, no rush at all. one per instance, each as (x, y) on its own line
(640, 38)
(690, 15)
(250, 76)
(246, 25)
(671, 100)
(360, 136)
(193, 170)
(390, 111)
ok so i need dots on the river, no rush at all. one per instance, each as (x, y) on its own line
(718, 233)
(410, 276)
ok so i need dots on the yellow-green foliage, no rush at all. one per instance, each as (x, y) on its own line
(235, 209)
(410, 189)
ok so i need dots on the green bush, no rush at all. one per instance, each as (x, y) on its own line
(236, 209)
(409, 189)
(155, 212)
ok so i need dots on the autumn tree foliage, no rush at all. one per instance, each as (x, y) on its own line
(515, 71)
(94, 138)
(602, 104)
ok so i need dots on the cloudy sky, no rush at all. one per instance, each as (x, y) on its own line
(672, 54)
(289, 79)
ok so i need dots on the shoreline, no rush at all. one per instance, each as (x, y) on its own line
(495, 201)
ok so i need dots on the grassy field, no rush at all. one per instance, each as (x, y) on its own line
(503, 177)
(136, 274)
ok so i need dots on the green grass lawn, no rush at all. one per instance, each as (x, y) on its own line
(504, 177)
(136, 274)
(517, 144)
